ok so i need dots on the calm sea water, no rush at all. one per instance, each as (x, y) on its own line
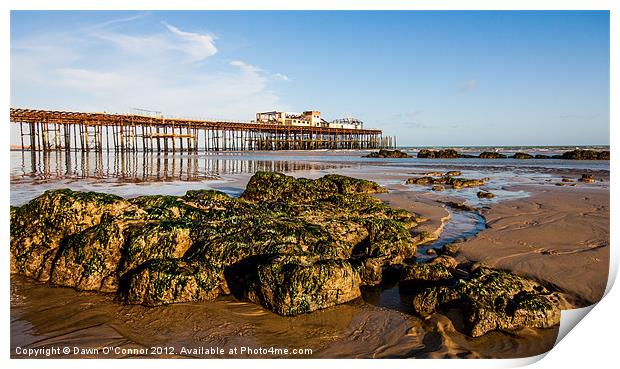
(133, 174)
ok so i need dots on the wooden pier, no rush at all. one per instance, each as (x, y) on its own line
(45, 130)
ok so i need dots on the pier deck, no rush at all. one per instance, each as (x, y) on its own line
(47, 130)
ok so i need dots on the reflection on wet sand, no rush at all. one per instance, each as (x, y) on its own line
(359, 328)
(144, 167)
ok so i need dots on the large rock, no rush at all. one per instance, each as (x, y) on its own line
(39, 227)
(156, 250)
(166, 281)
(492, 299)
(296, 285)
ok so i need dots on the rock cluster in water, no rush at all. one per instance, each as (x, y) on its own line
(292, 245)
(388, 154)
(577, 154)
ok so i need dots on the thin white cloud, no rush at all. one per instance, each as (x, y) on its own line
(114, 71)
(281, 77)
(198, 46)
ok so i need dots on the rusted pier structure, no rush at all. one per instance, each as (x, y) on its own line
(44, 130)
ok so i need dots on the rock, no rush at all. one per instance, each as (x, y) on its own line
(155, 250)
(438, 188)
(292, 286)
(587, 178)
(485, 195)
(492, 299)
(455, 182)
(431, 252)
(464, 182)
(453, 173)
(167, 281)
(39, 227)
(412, 273)
(459, 206)
(438, 154)
(559, 184)
(541, 156)
(447, 261)
(567, 180)
(421, 180)
(388, 154)
(491, 155)
(522, 155)
(433, 174)
(580, 154)
(450, 249)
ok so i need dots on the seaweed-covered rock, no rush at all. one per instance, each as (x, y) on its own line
(354, 186)
(455, 182)
(439, 154)
(450, 249)
(447, 261)
(465, 182)
(156, 250)
(438, 188)
(39, 227)
(492, 299)
(383, 153)
(491, 155)
(580, 154)
(426, 272)
(587, 178)
(294, 285)
(453, 173)
(166, 281)
(485, 195)
(522, 155)
(542, 156)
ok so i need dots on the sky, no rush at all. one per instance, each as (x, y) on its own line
(432, 78)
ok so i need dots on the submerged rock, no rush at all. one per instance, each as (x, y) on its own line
(492, 299)
(388, 154)
(522, 155)
(580, 154)
(587, 178)
(314, 242)
(439, 154)
(491, 155)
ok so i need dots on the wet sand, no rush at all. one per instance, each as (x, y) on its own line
(559, 235)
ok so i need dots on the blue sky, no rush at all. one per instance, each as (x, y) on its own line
(429, 77)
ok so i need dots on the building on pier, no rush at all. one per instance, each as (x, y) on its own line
(310, 118)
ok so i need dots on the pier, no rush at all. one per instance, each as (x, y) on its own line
(47, 130)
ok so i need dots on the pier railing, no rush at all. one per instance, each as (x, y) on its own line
(47, 130)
